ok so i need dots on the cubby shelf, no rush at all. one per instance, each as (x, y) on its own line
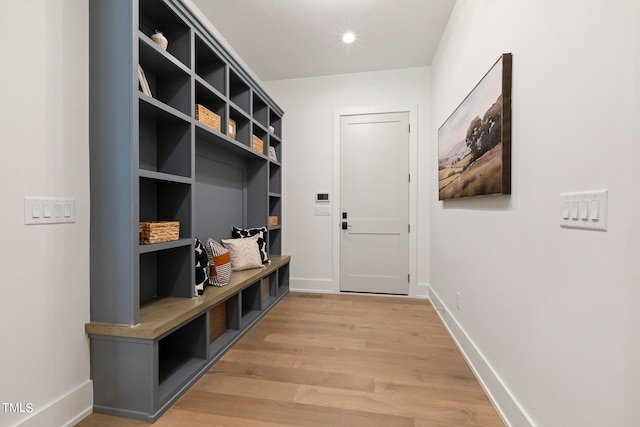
(151, 160)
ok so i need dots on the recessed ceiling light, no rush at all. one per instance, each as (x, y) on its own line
(348, 37)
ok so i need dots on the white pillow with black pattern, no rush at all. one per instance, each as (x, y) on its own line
(202, 267)
(261, 232)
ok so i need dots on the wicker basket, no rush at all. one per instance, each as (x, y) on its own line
(217, 321)
(232, 128)
(273, 220)
(159, 231)
(207, 117)
(257, 144)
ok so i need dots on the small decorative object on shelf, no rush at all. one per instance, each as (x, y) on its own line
(232, 129)
(272, 153)
(271, 129)
(142, 79)
(159, 231)
(207, 117)
(273, 221)
(160, 39)
(257, 144)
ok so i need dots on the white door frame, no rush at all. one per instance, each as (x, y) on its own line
(413, 187)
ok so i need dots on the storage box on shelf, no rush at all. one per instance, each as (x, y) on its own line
(159, 231)
(232, 128)
(207, 117)
(217, 321)
(257, 144)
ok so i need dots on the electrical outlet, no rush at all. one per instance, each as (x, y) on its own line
(458, 300)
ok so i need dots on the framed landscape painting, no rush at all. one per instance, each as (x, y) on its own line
(474, 143)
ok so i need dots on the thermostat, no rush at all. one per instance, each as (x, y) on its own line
(322, 198)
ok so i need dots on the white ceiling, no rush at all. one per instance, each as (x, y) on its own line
(282, 39)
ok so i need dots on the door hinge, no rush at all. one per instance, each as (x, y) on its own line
(409, 177)
(408, 228)
(409, 127)
(408, 278)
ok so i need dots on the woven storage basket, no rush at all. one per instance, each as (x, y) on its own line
(273, 220)
(207, 117)
(257, 144)
(217, 321)
(232, 128)
(159, 231)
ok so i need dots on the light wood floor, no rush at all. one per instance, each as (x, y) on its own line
(335, 360)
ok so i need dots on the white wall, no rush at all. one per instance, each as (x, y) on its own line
(543, 308)
(632, 290)
(44, 302)
(310, 161)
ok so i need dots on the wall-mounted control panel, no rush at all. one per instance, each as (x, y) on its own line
(322, 198)
(586, 210)
(43, 210)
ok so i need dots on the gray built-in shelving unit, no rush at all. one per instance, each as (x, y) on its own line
(151, 160)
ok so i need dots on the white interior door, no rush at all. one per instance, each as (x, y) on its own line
(374, 197)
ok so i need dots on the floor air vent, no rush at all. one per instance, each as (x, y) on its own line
(316, 296)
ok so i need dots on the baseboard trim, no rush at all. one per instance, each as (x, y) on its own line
(508, 407)
(313, 285)
(66, 411)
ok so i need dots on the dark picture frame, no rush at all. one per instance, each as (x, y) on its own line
(474, 143)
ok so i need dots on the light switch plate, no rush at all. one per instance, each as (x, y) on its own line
(587, 210)
(323, 210)
(44, 210)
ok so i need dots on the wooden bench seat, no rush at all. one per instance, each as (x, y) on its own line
(164, 314)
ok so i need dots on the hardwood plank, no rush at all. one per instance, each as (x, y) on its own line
(349, 359)
(249, 408)
(342, 380)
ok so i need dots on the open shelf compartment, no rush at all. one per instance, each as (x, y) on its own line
(260, 110)
(250, 303)
(166, 273)
(210, 67)
(157, 15)
(239, 92)
(168, 82)
(224, 324)
(180, 355)
(268, 290)
(164, 141)
(212, 102)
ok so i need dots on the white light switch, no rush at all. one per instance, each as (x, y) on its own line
(42, 210)
(36, 210)
(586, 210)
(594, 212)
(574, 210)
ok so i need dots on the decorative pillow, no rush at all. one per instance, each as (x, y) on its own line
(220, 261)
(261, 232)
(244, 253)
(202, 267)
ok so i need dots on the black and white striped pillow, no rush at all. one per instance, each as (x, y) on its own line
(261, 232)
(220, 261)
